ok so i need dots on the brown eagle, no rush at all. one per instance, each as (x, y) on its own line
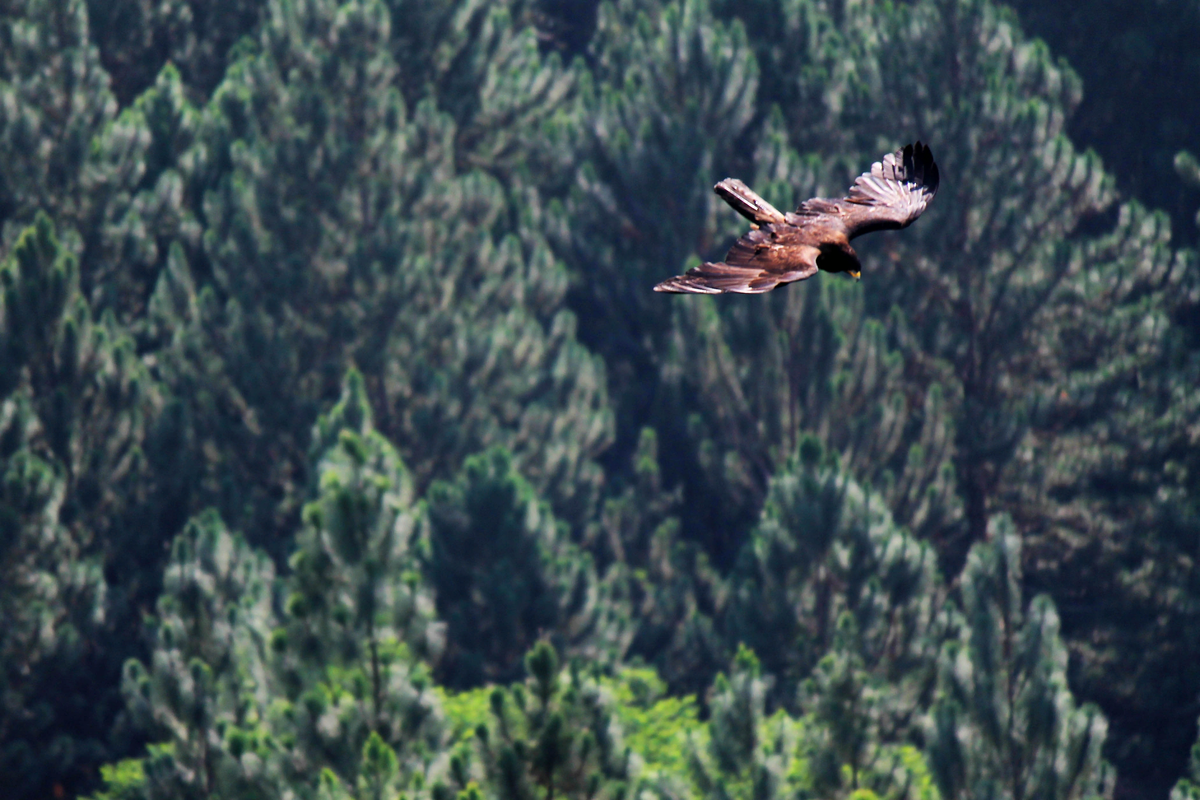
(782, 248)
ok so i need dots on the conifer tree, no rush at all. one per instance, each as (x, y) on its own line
(110, 182)
(505, 573)
(340, 223)
(205, 691)
(140, 203)
(671, 96)
(51, 599)
(198, 238)
(747, 755)
(729, 385)
(52, 112)
(1004, 722)
(136, 39)
(851, 741)
(766, 373)
(997, 268)
(554, 735)
(79, 376)
(359, 698)
(75, 399)
(1043, 310)
(482, 64)
(332, 698)
(826, 547)
(672, 589)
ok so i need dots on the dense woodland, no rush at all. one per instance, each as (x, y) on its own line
(346, 453)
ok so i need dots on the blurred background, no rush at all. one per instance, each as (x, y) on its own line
(345, 451)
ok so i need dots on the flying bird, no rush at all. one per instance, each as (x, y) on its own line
(781, 248)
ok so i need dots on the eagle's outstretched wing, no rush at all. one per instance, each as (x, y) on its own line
(762, 259)
(785, 247)
(893, 194)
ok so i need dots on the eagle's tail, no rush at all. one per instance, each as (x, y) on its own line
(747, 203)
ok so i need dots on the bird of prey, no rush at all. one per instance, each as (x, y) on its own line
(781, 248)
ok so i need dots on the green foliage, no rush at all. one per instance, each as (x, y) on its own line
(656, 725)
(341, 223)
(505, 572)
(124, 780)
(1188, 168)
(371, 279)
(354, 583)
(54, 113)
(1188, 787)
(730, 387)
(556, 734)
(206, 685)
(333, 694)
(671, 588)
(1004, 722)
(359, 615)
(827, 567)
(852, 743)
(765, 376)
(1112, 44)
(73, 402)
(1042, 310)
(746, 754)
(673, 94)
(136, 39)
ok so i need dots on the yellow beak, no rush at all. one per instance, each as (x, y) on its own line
(856, 274)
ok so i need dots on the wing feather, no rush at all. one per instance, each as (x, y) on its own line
(893, 194)
(758, 262)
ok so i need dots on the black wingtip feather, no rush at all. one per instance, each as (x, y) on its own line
(923, 168)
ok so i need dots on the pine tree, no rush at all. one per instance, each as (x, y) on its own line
(747, 755)
(75, 400)
(80, 376)
(136, 39)
(1004, 723)
(139, 200)
(1114, 422)
(1048, 315)
(851, 742)
(1111, 67)
(554, 735)
(52, 112)
(331, 698)
(360, 616)
(205, 691)
(51, 600)
(505, 573)
(671, 94)
(763, 374)
(340, 224)
(729, 385)
(672, 589)
(827, 547)
(1007, 273)
(482, 64)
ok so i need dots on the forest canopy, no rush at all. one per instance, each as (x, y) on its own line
(346, 451)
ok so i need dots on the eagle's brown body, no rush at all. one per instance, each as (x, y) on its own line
(782, 248)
